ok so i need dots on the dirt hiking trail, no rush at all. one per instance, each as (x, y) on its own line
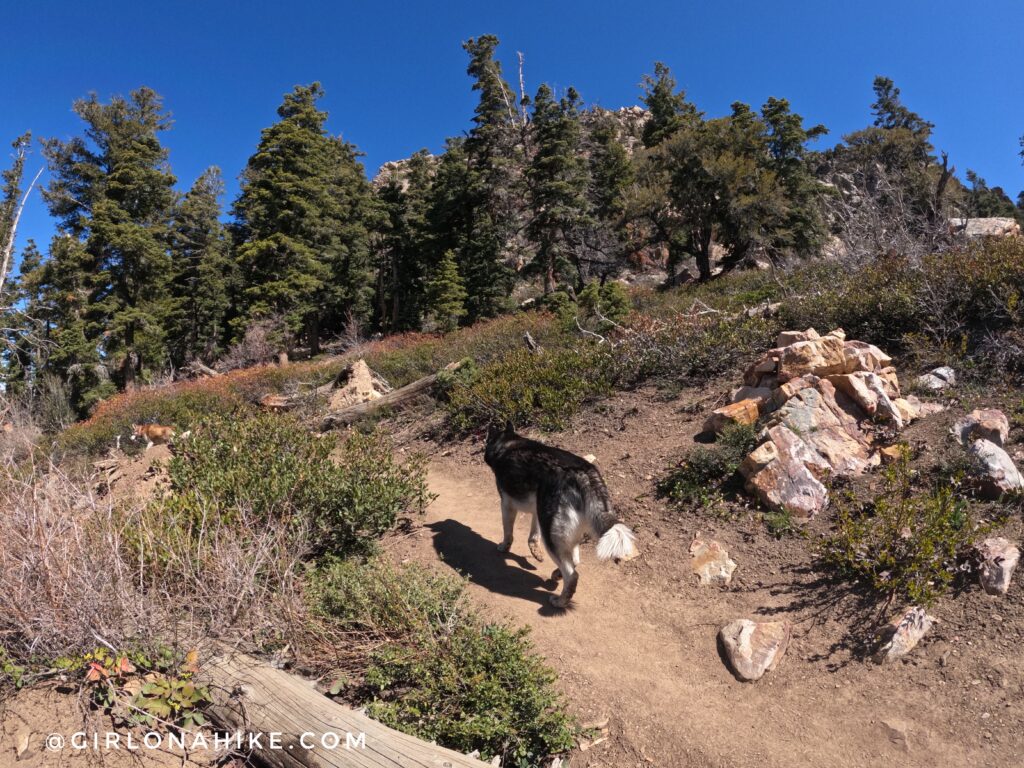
(639, 645)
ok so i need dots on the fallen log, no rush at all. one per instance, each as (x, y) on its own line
(300, 728)
(352, 413)
(199, 369)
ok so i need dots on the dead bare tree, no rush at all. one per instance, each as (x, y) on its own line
(873, 216)
(12, 210)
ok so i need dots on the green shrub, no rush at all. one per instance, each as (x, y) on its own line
(545, 388)
(707, 474)
(438, 670)
(905, 543)
(271, 468)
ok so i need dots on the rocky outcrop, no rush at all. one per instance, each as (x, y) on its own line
(753, 648)
(710, 562)
(999, 558)
(823, 392)
(979, 229)
(903, 634)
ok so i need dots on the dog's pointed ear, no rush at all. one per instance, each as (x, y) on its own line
(509, 429)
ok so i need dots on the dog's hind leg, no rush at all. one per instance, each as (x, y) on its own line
(570, 577)
(562, 540)
(536, 546)
(508, 522)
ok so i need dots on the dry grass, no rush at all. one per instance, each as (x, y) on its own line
(78, 571)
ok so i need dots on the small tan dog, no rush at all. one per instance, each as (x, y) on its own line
(154, 434)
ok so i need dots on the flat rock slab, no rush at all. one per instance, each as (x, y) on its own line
(754, 647)
(711, 563)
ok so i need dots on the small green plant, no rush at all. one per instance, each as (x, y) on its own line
(905, 543)
(437, 670)
(142, 691)
(706, 475)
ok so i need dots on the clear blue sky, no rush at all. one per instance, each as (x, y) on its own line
(394, 72)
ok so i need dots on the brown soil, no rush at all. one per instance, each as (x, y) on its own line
(28, 719)
(639, 645)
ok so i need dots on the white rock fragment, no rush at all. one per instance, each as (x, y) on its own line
(711, 563)
(903, 634)
(999, 558)
(753, 648)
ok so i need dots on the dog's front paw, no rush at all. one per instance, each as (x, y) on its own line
(505, 546)
(537, 550)
(559, 602)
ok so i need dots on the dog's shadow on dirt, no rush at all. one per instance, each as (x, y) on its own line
(505, 573)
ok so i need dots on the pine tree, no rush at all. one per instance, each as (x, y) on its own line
(203, 273)
(985, 201)
(302, 238)
(804, 228)
(406, 246)
(491, 200)
(896, 153)
(612, 175)
(112, 191)
(669, 109)
(558, 180)
(446, 294)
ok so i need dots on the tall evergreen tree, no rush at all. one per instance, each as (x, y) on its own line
(669, 110)
(446, 294)
(491, 202)
(406, 244)
(111, 190)
(302, 239)
(611, 178)
(558, 180)
(894, 157)
(203, 273)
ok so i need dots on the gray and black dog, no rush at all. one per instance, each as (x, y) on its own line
(567, 498)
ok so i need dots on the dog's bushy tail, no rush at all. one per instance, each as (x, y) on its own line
(617, 543)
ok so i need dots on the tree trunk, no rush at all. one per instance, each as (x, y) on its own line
(313, 335)
(300, 728)
(703, 256)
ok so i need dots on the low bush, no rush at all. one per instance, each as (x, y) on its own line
(905, 543)
(707, 475)
(271, 468)
(439, 671)
(407, 357)
(545, 389)
(688, 350)
(186, 403)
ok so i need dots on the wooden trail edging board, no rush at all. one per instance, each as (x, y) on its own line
(253, 697)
